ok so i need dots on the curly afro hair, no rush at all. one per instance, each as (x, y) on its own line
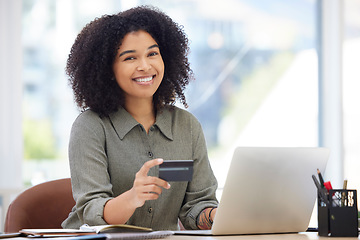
(89, 65)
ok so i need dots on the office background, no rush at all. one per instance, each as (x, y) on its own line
(268, 73)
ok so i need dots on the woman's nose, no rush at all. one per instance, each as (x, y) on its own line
(144, 65)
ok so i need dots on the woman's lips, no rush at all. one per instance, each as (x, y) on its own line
(144, 79)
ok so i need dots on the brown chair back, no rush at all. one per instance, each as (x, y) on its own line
(45, 205)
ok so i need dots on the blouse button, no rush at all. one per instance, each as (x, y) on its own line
(150, 210)
(150, 154)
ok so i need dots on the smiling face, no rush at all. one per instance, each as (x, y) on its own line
(138, 67)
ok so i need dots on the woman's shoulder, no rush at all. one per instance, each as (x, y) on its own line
(87, 115)
(88, 119)
(182, 117)
(181, 114)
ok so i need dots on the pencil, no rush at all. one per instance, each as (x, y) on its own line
(320, 178)
(345, 184)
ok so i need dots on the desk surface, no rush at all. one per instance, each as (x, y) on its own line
(299, 236)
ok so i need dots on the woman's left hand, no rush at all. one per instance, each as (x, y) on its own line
(206, 218)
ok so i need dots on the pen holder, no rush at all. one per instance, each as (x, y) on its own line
(337, 213)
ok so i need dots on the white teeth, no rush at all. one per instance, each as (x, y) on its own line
(148, 79)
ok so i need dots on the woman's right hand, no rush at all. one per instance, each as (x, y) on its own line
(147, 187)
(118, 210)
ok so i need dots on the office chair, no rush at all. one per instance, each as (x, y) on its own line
(45, 205)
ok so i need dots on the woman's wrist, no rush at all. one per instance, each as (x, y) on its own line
(205, 218)
(210, 217)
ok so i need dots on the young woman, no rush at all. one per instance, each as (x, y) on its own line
(126, 71)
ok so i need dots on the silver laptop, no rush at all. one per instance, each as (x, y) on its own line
(268, 190)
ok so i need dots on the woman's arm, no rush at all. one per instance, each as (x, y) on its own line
(201, 191)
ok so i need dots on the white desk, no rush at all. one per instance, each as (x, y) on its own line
(300, 236)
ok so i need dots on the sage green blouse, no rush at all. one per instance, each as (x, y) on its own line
(105, 154)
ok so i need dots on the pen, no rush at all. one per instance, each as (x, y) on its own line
(321, 190)
(317, 184)
(320, 178)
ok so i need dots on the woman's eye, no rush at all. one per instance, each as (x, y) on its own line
(153, 54)
(129, 58)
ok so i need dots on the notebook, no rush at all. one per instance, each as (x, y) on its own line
(267, 190)
(121, 236)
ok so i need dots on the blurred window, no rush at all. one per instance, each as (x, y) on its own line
(255, 64)
(351, 96)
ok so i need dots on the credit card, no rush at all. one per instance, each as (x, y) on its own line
(176, 170)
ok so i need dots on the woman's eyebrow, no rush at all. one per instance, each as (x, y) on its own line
(132, 51)
(153, 46)
(126, 52)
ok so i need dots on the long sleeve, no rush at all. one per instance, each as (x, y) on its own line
(88, 164)
(201, 191)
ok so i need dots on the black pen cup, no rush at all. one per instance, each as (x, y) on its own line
(337, 213)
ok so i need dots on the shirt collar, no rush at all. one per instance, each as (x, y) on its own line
(164, 122)
(123, 122)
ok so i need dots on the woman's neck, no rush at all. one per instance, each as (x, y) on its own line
(143, 112)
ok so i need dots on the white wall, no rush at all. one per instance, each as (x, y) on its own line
(11, 143)
(10, 94)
